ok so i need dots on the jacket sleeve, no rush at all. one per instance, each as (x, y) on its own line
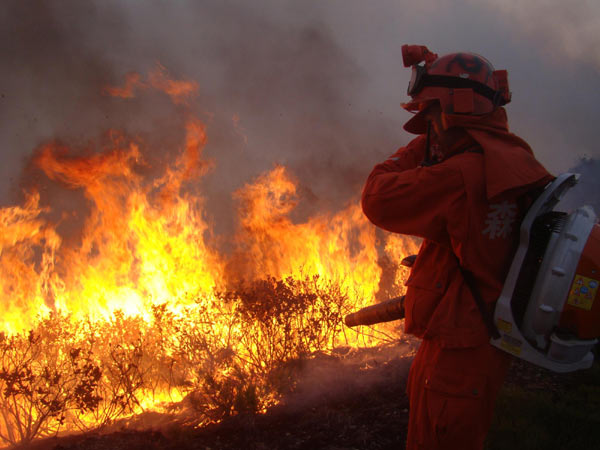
(402, 197)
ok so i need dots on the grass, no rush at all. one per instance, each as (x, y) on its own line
(567, 418)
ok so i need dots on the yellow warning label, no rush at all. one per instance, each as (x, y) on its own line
(511, 345)
(583, 292)
(503, 325)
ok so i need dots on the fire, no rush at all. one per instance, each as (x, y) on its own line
(138, 308)
(398, 247)
(339, 246)
(178, 90)
(23, 287)
(136, 246)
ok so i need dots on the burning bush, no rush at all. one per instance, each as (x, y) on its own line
(44, 374)
(224, 355)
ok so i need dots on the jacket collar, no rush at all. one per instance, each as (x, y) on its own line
(509, 162)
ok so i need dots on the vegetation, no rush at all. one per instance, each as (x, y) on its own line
(213, 359)
(534, 415)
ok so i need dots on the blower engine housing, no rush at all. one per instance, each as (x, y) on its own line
(549, 310)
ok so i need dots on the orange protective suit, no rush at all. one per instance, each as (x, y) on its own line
(468, 209)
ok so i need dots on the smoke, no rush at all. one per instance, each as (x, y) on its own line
(587, 190)
(315, 86)
(271, 91)
(551, 49)
(566, 31)
(358, 375)
(48, 74)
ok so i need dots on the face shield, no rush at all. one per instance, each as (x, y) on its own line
(416, 82)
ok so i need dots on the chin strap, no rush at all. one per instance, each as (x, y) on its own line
(460, 146)
(427, 161)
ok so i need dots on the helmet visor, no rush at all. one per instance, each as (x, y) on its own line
(416, 80)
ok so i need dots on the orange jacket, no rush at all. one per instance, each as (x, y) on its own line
(468, 209)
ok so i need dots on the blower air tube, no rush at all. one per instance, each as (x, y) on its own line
(382, 312)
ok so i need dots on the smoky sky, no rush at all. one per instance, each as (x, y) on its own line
(314, 85)
(587, 190)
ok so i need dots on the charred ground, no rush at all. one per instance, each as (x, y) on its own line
(360, 403)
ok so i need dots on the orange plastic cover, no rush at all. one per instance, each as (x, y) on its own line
(581, 314)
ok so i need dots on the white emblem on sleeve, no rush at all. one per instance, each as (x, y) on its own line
(500, 220)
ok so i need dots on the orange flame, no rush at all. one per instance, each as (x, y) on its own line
(132, 81)
(337, 247)
(134, 249)
(178, 90)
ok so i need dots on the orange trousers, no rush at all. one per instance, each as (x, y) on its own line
(452, 393)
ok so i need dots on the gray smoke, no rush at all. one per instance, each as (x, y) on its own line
(314, 85)
(587, 190)
(564, 31)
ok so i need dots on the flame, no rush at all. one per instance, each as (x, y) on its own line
(142, 307)
(178, 90)
(22, 285)
(135, 250)
(398, 247)
(338, 247)
(132, 81)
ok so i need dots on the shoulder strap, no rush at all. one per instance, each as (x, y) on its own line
(486, 315)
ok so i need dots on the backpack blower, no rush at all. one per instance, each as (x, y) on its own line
(548, 312)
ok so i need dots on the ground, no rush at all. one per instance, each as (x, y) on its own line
(359, 404)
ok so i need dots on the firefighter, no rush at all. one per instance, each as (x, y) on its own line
(462, 185)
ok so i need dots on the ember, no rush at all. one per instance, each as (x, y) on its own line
(139, 310)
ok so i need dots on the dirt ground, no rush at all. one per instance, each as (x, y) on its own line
(338, 404)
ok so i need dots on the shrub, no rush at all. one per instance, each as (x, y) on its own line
(235, 352)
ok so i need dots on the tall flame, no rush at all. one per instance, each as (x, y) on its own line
(340, 247)
(142, 242)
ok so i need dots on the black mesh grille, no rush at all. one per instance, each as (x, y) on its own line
(541, 231)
